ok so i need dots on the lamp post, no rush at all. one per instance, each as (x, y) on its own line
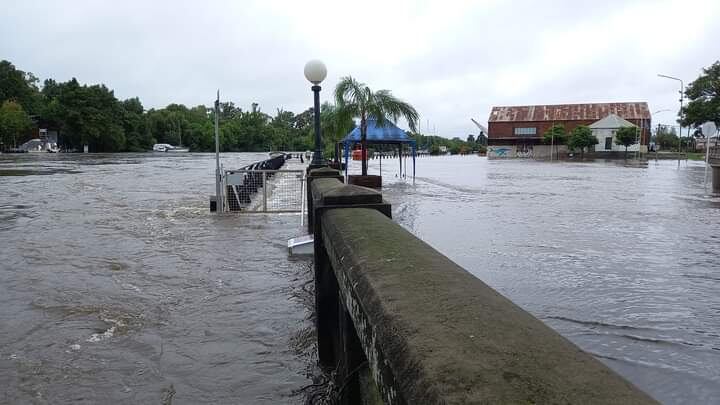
(682, 87)
(315, 73)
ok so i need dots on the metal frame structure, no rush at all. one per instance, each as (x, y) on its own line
(255, 191)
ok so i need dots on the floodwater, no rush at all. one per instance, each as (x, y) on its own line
(623, 260)
(118, 286)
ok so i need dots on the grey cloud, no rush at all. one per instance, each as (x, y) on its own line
(457, 66)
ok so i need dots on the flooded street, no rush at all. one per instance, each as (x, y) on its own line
(623, 261)
(117, 285)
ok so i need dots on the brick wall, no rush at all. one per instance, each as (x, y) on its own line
(497, 130)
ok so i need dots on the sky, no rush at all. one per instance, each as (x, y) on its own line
(452, 60)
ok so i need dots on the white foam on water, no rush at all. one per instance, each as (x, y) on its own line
(110, 332)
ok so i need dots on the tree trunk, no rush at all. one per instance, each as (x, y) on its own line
(626, 152)
(363, 145)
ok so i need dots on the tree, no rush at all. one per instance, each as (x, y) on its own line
(88, 115)
(626, 136)
(355, 99)
(704, 95)
(18, 86)
(228, 111)
(666, 137)
(14, 121)
(137, 135)
(580, 138)
(555, 135)
(334, 126)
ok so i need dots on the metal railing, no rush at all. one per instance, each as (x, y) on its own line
(715, 153)
(252, 190)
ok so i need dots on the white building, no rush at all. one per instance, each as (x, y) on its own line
(605, 130)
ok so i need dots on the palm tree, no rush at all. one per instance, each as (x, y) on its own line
(334, 126)
(355, 99)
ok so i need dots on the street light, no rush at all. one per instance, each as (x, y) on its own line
(315, 72)
(682, 87)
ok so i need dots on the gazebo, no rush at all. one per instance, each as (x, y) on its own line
(388, 134)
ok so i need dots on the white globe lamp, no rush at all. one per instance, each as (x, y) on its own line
(315, 71)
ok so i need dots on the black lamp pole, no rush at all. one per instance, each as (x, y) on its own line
(317, 159)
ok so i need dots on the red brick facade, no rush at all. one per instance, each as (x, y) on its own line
(504, 120)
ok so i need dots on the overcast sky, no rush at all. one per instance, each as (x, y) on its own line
(452, 60)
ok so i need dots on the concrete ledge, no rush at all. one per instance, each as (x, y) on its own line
(433, 333)
(325, 172)
(370, 181)
(312, 174)
(349, 194)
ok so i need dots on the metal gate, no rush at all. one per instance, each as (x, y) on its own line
(249, 190)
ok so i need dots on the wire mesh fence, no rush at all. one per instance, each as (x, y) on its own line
(264, 190)
(715, 153)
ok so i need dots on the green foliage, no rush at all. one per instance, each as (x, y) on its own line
(87, 115)
(18, 86)
(556, 134)
(580, 138)
(627, 136)
(666, 137)
(14, 123)
(357, 100)
(704, 95)
(432, 144)
(134, 124)
(92, 115)
(334, 126)
(470, 139)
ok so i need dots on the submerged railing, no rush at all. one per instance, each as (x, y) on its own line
(263, 187)
(250, 190)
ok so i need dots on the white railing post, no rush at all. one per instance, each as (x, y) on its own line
(264, 185)
(302, 200)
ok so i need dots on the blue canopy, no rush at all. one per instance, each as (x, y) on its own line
(389, 133)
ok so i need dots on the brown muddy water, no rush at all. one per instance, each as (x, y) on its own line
(117, 285)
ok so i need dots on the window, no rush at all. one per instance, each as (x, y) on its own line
(525, 131)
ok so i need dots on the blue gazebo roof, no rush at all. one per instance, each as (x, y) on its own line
(389, 133)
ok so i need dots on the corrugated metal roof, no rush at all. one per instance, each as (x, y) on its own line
(569, 112)
(612, 121)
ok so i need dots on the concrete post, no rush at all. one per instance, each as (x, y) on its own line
(314, 173)
(339, 348)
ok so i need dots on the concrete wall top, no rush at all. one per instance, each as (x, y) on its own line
(446, 335)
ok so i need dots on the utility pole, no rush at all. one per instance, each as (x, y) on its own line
(682, 87)
(657, 141)
(552, 140)
(218, 179)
